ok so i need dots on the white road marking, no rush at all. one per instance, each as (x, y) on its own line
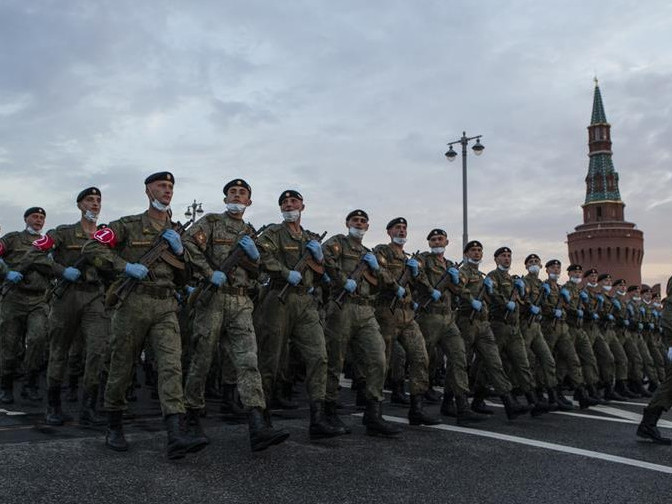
(12, 413)
(541, 444)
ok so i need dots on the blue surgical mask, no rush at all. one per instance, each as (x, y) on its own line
(438, 250)
(157, 205)
(32, 231)
(534, 269)
(291, 215)
(91, 216)
(399, 240)
(235, 208)
(502, 268)
(356, 233)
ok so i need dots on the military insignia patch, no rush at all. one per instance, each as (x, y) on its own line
(2, 249)
(200, 238)
(106, 236)
(45, 243)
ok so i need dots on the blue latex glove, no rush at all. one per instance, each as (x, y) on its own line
(669, 354)
(350, 285)
(174, 240)
(190, 289)
(600, 300)
(547, 288)
(584, 296)
(642, 311)
(71, 274)
(454, 276)
(511, 306)
(218, 278)
(436, 295)
(596, 316)
(476, 305)
(401, 292)
(487, 281)
(640, 326)
(14, 277)
(626, 323)
(248, 246)
(655, 314)
(535, 310)
(326, 278)
(610, 317)
(294, 277)
(651, 326)
(558, 313)
(415, 267)
(565, 295)
(415, 306)
(316, 250)
(136, 270)
(579, 313)
(370, 259)
(631, 310)
(520, 285)
(616, 303)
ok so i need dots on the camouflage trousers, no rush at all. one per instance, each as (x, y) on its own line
(23, 332)
(483, 353)
(78, 314)
(606, 362)
(561, 342)
(229, 317)
(539, 355)
(441, 330)
(513, 352)
(654, 345)
(649, 368)
(354, 325)
(145, 320)
(662, 397)
(635, 361)
(584, 349)
(400, 327)
(617, 350)
(296, 320)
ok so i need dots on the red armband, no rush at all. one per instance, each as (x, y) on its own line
(2, 249)
(106, 236)
(44, 244)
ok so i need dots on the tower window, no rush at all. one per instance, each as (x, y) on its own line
(598, 213)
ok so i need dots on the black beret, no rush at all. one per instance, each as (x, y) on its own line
(357, 213)
(604, 276)
(395, 221)
(574, 267)
(553, 262)
(590, 271)
(88, 192)
(435, 232)
(620, 281)
(289, 193)
(530, 257)
(164, 175)
(633, 288)
(472, 243)
(645, 288)
(501, 250)
(238, 183)
(34, 209)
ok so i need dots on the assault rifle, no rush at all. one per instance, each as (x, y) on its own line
(532, 316)
(62, 284)
(355, 275)
(403, 281)
(441, 285)
(300, 266)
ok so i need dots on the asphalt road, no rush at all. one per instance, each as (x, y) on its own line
(587, 456)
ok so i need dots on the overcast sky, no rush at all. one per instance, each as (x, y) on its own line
(349, 102)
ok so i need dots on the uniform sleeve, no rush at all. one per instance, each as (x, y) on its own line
(498, 297)
(462, 289)
(332, 250)
(42, 260)
(269, 249)
(389, 282)
(547, 306)
(101, 252)
(196, 241)
(421, 283)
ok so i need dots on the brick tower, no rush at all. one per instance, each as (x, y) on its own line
(605, 240)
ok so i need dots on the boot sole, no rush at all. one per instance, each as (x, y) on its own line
(275, 440)
(116, 448)
(643, 435)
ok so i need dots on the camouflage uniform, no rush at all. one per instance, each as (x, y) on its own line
(223, 312)
(580, 330)
(603, 357)
(637, 313)
(615, 346)
(651, 338)
(148, 316)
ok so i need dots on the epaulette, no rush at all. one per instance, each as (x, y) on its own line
(130, 218)
(11, 235)
(274, 228)
(212, 217)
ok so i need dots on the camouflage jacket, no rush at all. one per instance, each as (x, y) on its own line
(16, 250)
(342, 254)
(392, 265)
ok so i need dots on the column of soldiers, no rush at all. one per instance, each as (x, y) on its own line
(256, 301)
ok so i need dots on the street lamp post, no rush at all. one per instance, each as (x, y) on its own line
(193, 210)
(451, 155)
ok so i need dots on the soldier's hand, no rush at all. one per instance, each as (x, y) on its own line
(454, 276)
(401, 292)
(487, 281)
(316, 250)
(651, 326)
(616, 303)
(511, 306)
(218, 278)
(71, 274)
(436, 295)
(596, 316)
(294, 277)
(640, 326)
(326, 279)
(558, 313)
(370, 259)
(669, 354)
(579, 314)
(520, 285)
(174, 240)
(535, 310)
(626, 323)
(610, 317)
(414, 266)
(565, 295)
(14, 276)
(136, 270)
(248, 246)
(584, 296)
(642, 311)
(476, 305)
(547, 288)
(350, 285)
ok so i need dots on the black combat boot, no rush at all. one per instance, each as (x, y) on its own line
(478, 403)
(331, 416)
(230, 404)
(54, 414)
(584, 400)
(88, 416)
(432, 396)
(638, 387)
(192, 419)
(653, 386)
(73, 389)
(648, 429)
(7, 384)
(115, 431)
(539, 393)
(376, 425)
(611, 394)
(448, 404)
(31, 389)
(262, 433)
(593, 393)
(398, 394)
(557, 399)
(623, 390)
(416, 414)
(320, 428)
(179, 441)
(538, 408)
(463, 413)
(512, 407)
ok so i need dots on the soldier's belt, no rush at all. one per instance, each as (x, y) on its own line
(155, 291)
(358, 300)
(402, 303)
(301, 290)
(234, 291)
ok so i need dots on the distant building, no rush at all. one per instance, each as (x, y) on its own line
(605, 240)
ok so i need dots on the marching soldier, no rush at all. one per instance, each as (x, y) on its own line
(148, 315)
(634, 359)
(611, 308)
(23, 311)
(649, 335)
(636, 314)
(225, 308)
(284, 247)
(350, 320)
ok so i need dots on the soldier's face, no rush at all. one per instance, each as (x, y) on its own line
(647, 296)
(160, 190)
(35, 221)
(438, 241)
(573, 274)
(533, 262)
(91, 202)
(555, 269)
(504, 259)
(398, 230)
(238, 195)
(606, 281)
(291, 203)
(635, 293)
(358, 222)
(592, 278)
(475, 253)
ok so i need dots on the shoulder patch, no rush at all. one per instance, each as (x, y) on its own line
(106, 236)
(2, 249)
(45, 243)
(200, 238)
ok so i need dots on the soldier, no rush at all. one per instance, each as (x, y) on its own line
(23, 311)
(355, 273)
(611, 307)
(148, 315)
(634, 359)
(400, 277)
(76, 308)
(504, 320)
(649, 334)
(227, 310)
(472, 319)
(283, 248)
(636, 314)
(437, 323)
